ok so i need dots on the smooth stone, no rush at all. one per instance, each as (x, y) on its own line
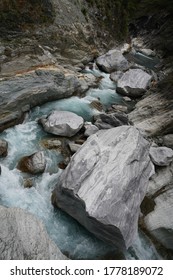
(24, 237)
(74, 147)
(105, 182)
(161, 156)
(62, 123)
(34, 164)
(147, 52)
(133, 83)
(112, 61)
(3, 148)
(90, 129)
(28, 183)
(120, 108)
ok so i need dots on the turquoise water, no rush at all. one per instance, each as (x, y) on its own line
(25, 139)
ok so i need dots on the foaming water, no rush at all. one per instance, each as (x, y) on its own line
(25, 139)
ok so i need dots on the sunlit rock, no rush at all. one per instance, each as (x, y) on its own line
(23, 237)
(112, 61)
(105, 183)
(134, 83)
(62, 123)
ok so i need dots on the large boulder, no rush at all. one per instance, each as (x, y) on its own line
(105, 182)
(23, 237)
(3, 148)
(133, 83)
(62, 123)
(112, 61)
(34, 164)
(22, 92)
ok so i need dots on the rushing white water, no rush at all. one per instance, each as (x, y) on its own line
(24, 139)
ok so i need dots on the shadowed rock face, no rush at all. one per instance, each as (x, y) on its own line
(105, 183)
(23, 237)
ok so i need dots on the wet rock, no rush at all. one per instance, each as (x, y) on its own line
(106, 181)
(112, 61)
(120, 108)
(133, 83)
(28, 183)
(96, 104)
(126, 98)
(3, 148)
(62, 123)
(107, 121)
(23, 237)
(161, 156)
(90, 129)
(52, 144)
(22, 92)
(34, 164)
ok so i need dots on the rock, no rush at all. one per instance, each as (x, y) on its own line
(133, 83)
(126, 48)
(52, 144)
(86, 81)
(106, 181)
(33, 164)
(163, 177)
(74, 147)
(120, 108)
(168, 140)
(147, 52)
(160, 221)
(161, 156)
(28, 183)
(22, 92)
(62, 123)
(127, 99)
(155, 120)
(115, 76)
(23, 237)
(90, 129)
(112, 61)
(107, 121)
(96, 104)
(3, 148)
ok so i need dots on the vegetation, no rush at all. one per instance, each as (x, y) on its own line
(14, 14)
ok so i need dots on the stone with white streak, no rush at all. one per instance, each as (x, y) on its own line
(134, 83)
(34, 164)
(23, 237)
(62, 123)
(161, 156)
(105, 183)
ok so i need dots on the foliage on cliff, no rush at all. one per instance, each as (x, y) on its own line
(14, 14)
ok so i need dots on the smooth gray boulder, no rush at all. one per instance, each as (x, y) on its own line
(23, 237)
(62, 123)
(112, 61)
(133, 83)
(3, 148)
(34, 164)
(105, 183)
(161, 156)
(22, 92)
(90, 129)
